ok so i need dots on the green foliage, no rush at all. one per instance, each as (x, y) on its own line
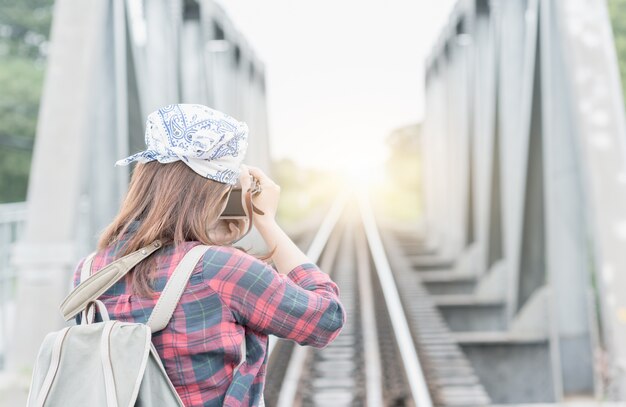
(24, 27)
(14, 168)
(24, 30)
(20, 81)
(617, 10)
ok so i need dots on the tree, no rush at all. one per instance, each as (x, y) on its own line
(24, 32)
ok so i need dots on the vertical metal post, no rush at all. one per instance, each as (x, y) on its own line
(121, 90)
(599, 116)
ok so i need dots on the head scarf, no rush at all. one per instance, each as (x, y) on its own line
(210, 142)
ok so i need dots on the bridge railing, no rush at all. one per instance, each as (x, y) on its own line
(12, 221)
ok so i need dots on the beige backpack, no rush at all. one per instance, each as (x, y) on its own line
(108, 363)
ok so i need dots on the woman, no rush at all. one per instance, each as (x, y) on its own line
(177, 192)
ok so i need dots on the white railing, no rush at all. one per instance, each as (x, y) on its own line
(12, 221)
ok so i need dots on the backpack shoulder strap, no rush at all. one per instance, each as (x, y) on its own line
(174, 288)
(94, 286)
(85, 271)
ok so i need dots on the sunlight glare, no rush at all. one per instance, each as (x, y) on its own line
(362, 173)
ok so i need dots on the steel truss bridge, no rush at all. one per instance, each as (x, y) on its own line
(510, 291)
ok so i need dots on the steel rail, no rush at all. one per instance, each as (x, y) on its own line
(406, 346)
(371, 348)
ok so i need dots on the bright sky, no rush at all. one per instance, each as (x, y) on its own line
(340, 74)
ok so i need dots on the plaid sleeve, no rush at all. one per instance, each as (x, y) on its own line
(303, 305)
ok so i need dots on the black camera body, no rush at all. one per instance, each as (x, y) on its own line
(234, 206)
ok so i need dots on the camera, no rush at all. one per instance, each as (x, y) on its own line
(234, 206)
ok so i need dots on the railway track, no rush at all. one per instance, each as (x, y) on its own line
(394, 350)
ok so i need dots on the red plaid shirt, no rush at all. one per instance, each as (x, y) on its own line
(231, 297)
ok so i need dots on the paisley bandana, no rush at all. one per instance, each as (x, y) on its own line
(210, 142)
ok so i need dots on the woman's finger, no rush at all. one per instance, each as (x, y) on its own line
(258, 174)
(261, 176)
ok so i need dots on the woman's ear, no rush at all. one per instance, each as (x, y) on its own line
(225, 231)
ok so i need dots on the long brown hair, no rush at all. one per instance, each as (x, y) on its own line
(173, 204)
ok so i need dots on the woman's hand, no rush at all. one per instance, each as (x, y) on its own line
(286, 254)
(267, 200)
